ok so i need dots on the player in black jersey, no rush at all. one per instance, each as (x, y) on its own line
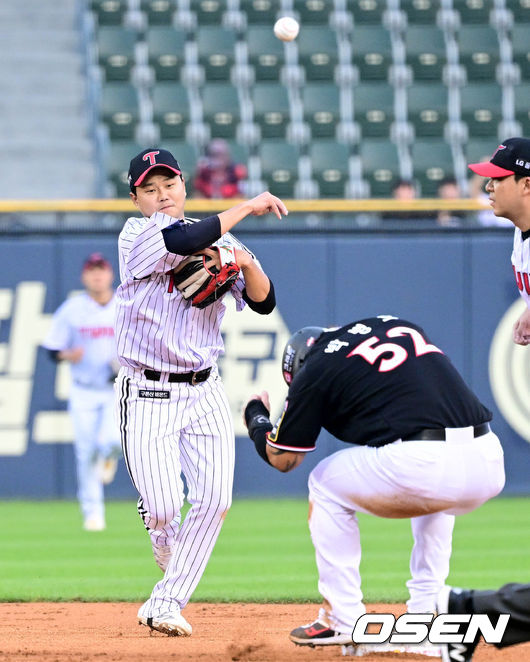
(421, 448)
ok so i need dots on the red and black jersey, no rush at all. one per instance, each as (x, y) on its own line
(371, 382)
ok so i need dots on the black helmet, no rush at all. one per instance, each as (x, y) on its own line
(297, 348)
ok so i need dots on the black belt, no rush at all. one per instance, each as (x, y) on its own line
(440, 434)
(189, 377)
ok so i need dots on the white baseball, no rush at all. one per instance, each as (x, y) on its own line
(286, 28)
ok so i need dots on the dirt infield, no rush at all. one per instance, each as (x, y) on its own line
(108, 632)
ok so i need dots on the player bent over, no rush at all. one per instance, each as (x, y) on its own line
(173, 411)
(421, 448)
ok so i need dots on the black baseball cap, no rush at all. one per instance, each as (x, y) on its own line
(510, 158)
(147, 160)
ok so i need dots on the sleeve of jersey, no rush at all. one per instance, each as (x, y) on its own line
(59, 334)
(300, 423)
(239, 285)
(145, 248)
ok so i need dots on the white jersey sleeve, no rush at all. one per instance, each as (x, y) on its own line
(142, 246)
(61, 333)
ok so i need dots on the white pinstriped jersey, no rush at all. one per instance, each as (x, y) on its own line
(156, 327)
(521, 263)
(82, 322)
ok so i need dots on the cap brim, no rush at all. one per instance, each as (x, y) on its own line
(156, 165)
(488, 169)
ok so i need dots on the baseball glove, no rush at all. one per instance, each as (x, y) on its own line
(204, 279)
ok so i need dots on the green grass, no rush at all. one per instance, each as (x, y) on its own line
(264, 553)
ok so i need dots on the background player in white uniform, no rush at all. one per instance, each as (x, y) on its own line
(509, 193)
(82, 333)
(173, 411)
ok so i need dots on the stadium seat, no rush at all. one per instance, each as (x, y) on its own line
(109, 12)
(425, 51)
(159, 12)
(209, 12)
(427, 108)
(479, 149)
(420, 11)
(221, 109)
(265, 52)
(372, 52)
(373, 105)
(260, 11)
(481, 108)
(313, 12)
(271, 109)
(521, 49)
(520, 10)
(216, 51)
(279, 166)
(165, 47)
(119, 109)
(317, 52)
(116, 51)
(432, 161)
(117, 164)
(366, 11)
(474, 11)
(479, 51)
(321, 103)
(522, 107)
(171, 109)
(329, 161)
(380, 165)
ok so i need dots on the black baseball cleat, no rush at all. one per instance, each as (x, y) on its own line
(319, 633)
(456, 601)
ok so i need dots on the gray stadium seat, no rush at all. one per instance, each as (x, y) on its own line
(479, 51)
(372, 52)
(427, 108)
(425, 51)
(432, 161)
(522, 107)
(366, 11)
(165, 48)
(216, 51)
(380, 165)
(481, 108)
(321, 108)
(317, 52)
(159, 12)
(116, 51)
(109, 12)
(374, 108)
(329, 161)
(271, 109)
(119, 109)
(313, 12)
(474, 11)
(420, 11)
(171, 109)
(265, 52)
(279, 165)
(521, 49)
(260, 11)
(221, 109)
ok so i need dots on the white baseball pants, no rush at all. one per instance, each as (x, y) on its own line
(189, 431)
(428, 481)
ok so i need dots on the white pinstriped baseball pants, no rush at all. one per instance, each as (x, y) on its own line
(188, 431)
(428, 481)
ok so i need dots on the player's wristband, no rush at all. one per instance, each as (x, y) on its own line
(258, 423)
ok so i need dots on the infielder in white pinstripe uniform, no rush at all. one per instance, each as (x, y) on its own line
(509, 193)
(173, 412)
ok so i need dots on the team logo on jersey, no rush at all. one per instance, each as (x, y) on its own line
(509, 367)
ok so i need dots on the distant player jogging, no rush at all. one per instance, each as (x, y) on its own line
(82, 333)
(420, 447)
(173, 411)
(508, 187)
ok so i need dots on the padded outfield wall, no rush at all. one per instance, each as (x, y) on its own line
(458, 285)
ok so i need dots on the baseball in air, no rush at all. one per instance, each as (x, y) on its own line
(286, 28)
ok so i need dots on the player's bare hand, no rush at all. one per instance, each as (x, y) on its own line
(521, 329)
(266, 203)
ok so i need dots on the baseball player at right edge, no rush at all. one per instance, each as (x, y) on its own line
(173, 411)
(508, 186)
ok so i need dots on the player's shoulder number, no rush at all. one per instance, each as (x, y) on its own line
(373, 348)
